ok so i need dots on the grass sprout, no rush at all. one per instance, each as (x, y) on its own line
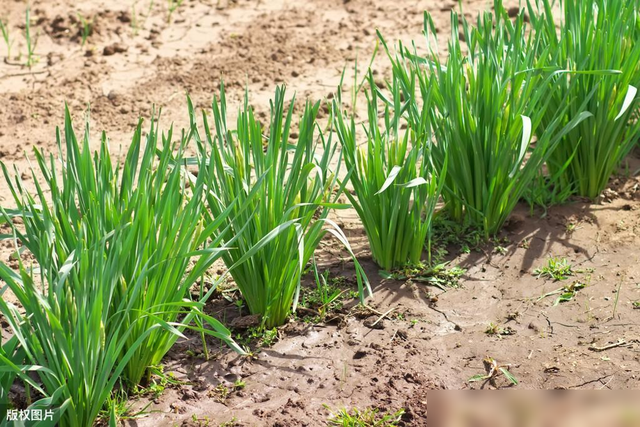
(6, 36)
(87, 28)
(325, 298)
(32, 42)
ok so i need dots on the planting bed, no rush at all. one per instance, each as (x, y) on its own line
(355, 358)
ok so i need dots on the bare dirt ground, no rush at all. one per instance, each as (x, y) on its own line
(432, 339)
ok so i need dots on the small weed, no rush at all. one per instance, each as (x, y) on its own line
(4, 29)
(636, 305)
(497, 330)
(136, 23)
(328, 296)
(201, 422)
(450, 233)
(493, 369)
(566, 292)
(556, 269)
(220, 393)
(32, 42)
(499, 245)
(117, 408)
(232, 422)
(500, 250)
(571, 227)
(615, 304)
(116, 404)
(172, 5)
(370, 417)
(269, 337)
(159, 382)
(263, 337)
(239, 303)
(87, 28)
(439, 275)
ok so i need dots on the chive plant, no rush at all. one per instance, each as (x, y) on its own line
(395, 185)
(289, 187)
(485, 106)
(12, 362)
(113, 245)
(597, 40)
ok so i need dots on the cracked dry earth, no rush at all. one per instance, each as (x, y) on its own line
(432, 339)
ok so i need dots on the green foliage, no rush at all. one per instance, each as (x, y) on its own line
(566, 293)
(4, 30)
(113, 245)
(438, 275)
(487, 104)
(395, 183)
(370, 417)
(556, 269)
(325, 298)
(278, 195)
(87, 28)
(598, 41)
(259, 336)
(32, 42)
(12, 356)
(172, 5)
(447, 232)
(494, 369)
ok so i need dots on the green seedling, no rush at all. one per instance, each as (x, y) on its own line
(556, 269)
(370, 417)
(87, 28)
(4, 30)
(325, 298)
(566, 293)
(32, 42)
(439, 275)
(493, 369)
(231, 423)
(172, 5)
(447, 232)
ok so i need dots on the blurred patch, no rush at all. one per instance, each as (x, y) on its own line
(533, 409)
